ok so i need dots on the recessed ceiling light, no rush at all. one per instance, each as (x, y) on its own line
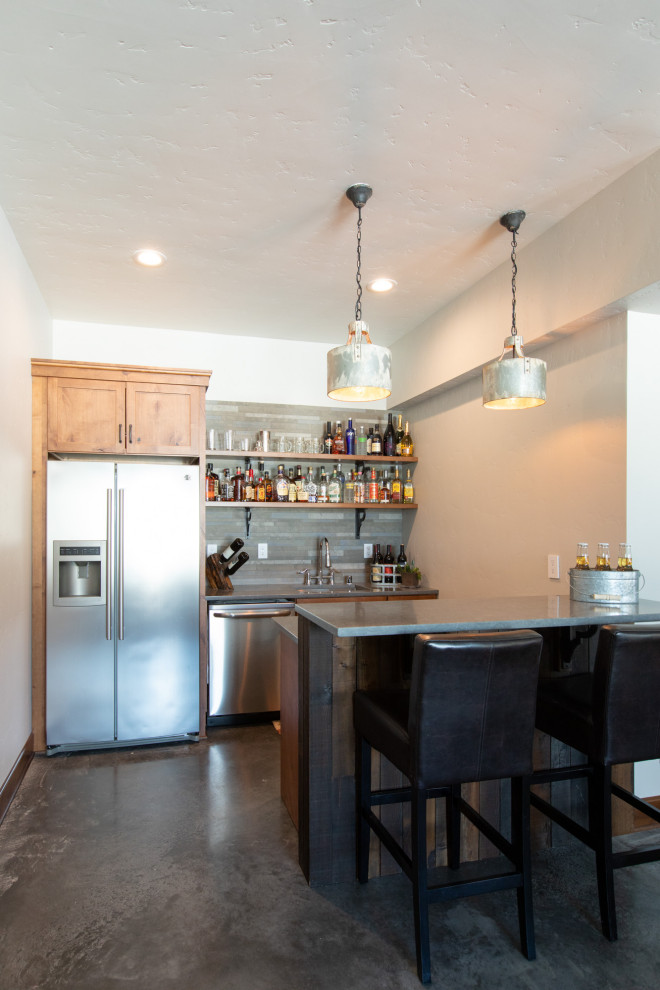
(149, 258)
(381, 285)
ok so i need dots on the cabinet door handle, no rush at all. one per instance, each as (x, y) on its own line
(120, 428)
(130, 433)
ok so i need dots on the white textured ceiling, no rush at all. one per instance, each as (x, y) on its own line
(225, 134)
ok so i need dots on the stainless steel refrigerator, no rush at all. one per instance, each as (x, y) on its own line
(122, 612)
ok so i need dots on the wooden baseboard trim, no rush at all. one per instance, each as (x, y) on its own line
(16, 774)
(642, 822)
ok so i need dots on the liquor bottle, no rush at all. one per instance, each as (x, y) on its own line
(211, 484)
(398, 437)
(260, 495)
(310, 486)
(389, 439)
(238, 482)
(370, 440)
(582, 557)
(388, 560)
(625, 557)
(250, 493)
(349, 488)
(385, 488)
(397, 486)
(334, 488)
(407, 446)
(226, 487)
(361, 443)
(402, 559)
(338, 446)
(301, 492)
(292, 491)
(230, 550)
(603, 557)
(281, 486)
(376, 568)
(372, 492)
(349, 438)
(342, 480)
(408, 490)
(322, 490)
(376, 441)
(242, 558)
(268, 484)
(327, 439)
(358, 491)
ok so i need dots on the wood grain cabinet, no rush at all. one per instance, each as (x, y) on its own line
(93, 416)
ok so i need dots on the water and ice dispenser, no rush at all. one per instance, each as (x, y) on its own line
(79, 572)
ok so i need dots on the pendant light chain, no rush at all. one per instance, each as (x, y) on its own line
(358, 302)
(514, 272)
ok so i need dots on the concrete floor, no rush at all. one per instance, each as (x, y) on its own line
(176, 867)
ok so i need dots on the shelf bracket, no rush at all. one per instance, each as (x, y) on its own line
(360, 516)
(248, 518)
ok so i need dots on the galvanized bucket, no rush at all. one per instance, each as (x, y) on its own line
(604, 587)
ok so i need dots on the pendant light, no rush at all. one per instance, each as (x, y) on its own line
(517, 383)
(359, 371)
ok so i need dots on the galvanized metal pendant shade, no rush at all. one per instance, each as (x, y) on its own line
(359, 371)
(517, 382)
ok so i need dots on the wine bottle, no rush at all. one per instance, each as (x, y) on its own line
(376, 441)
(242, 558)
(402, 559)
(389, 439)
(231, 549)
(388, 561)
(376, 570)
(407, 446)
(370, 440)
(349, 438)
(399, 437)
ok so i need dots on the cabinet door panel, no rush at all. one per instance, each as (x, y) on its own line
(162, 419)
(86, 416)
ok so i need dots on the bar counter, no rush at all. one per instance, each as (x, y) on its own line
(345, 646)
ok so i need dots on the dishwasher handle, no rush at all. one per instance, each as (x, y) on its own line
(253, 614)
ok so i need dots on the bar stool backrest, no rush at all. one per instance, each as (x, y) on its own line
(626, 694)
(472, 705)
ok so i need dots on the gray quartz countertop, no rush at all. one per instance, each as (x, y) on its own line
(469, 614)
(272, 592)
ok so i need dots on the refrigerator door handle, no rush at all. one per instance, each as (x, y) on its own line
(120, 563)
(108, 566)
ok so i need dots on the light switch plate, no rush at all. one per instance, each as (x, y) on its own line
(368, 550)
(553, 566)
(262, 551)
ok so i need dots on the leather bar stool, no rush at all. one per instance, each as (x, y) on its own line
(469, 716)
(612, 716)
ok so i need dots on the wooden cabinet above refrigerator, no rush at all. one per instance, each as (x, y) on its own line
(113, 409)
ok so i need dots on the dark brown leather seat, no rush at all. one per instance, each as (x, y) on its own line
(612, 716)
(469, 716)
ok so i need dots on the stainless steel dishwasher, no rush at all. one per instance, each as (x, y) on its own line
(244, 660)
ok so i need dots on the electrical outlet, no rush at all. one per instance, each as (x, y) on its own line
(262, 551)
(368, 550)
(553, 566)
(211, 548)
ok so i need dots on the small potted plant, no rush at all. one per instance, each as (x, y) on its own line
(411, 576)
